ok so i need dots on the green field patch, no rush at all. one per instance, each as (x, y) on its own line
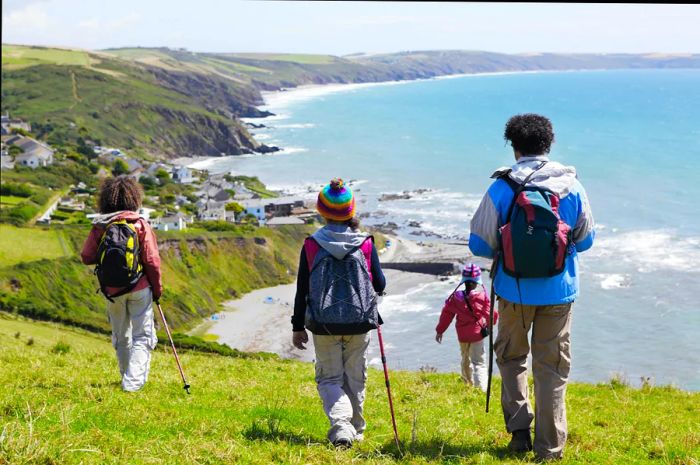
(291, 57)
(17, 56)
(11, 200)
(20, 245)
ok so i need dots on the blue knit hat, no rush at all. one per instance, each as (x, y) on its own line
(471, 272)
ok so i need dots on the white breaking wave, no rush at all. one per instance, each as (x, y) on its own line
(290, 150)
(613, 280)
(295, 126)
(650, 250)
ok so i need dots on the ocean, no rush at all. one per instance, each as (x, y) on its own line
(634, 137)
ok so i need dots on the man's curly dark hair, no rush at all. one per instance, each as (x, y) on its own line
(529, 134)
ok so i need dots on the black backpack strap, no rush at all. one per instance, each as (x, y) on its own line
(466, 301)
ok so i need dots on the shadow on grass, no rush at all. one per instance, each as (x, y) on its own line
(266, 431)
(436, 449)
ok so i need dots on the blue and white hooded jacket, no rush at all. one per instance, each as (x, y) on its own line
(574, 209)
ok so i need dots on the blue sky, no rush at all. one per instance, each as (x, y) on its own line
(349, 27)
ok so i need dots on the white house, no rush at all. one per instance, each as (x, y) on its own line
(176, 222)
(212, 211)
(34, 155)
(183, 175)
(145, 213)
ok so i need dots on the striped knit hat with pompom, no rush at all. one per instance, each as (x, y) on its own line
(336, 201)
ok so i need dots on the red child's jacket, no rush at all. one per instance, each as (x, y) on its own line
(150, 258)
(468, 324)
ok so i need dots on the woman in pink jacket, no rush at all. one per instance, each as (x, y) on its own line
(471, 307)
(130, 309)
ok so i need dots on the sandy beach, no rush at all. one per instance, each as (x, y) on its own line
(260, 320)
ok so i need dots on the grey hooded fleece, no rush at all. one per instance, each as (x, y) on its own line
(338, 240)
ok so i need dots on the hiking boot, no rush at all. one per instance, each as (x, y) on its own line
(342, 443)
(521, 441)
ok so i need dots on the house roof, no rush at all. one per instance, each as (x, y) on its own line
(31, 148)
(283, 220)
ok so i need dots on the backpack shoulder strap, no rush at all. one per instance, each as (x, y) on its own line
(311, 248)
(520, 187)
(366, 248)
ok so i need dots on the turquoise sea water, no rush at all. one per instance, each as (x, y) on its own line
(634, 137)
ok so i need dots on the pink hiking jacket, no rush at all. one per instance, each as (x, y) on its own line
(468, 325)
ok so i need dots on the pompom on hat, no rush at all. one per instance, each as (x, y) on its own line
(471, 272)
(336, 201)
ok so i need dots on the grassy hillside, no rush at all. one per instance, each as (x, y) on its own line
(220, 265)
(122, 103)
(61, 403)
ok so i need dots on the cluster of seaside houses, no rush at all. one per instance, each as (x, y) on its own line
(29, 152)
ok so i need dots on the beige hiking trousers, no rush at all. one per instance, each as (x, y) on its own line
(473, 365)
(551, 362)
(341, 374)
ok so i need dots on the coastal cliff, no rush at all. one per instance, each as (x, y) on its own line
(173, 102)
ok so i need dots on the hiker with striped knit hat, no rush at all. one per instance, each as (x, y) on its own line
(471, 307)
(337, 285)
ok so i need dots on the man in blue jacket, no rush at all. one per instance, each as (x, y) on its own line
(543, 304)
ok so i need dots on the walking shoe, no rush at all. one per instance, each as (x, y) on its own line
(521, 441)
(342, 443)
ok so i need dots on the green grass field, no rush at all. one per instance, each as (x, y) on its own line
(11, 201)
(291, 57)
(67, 408)
(21, 245)
(18, 56)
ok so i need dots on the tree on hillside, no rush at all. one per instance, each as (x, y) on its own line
(163, 176)
(147, 182)
(120, 167)
(234, 207)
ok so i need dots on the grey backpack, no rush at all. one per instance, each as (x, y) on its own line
(341, 298)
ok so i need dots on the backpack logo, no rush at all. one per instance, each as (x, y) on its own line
(535, 240)
(118, 263)
(340, 292)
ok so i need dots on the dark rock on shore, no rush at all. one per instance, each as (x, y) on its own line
(267, 149)
(388, 197)
(256, 126)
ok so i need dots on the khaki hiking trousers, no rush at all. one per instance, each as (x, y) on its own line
(473, 364)
(551, 362)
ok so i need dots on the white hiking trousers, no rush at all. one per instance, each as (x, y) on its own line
(133, 336)
(341, 374)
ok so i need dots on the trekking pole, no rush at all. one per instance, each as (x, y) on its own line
(186, 386)
(492, 303)
(388, 387)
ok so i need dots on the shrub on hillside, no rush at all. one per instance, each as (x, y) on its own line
(60, 348)
(16, 189)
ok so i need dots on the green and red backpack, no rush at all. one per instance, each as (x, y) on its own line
(118, 263)
(534, 241)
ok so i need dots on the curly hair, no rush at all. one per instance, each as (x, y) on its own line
(529, 134)
(120, 193)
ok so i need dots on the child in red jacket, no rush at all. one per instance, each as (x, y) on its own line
(471, 307)
(130, 309)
